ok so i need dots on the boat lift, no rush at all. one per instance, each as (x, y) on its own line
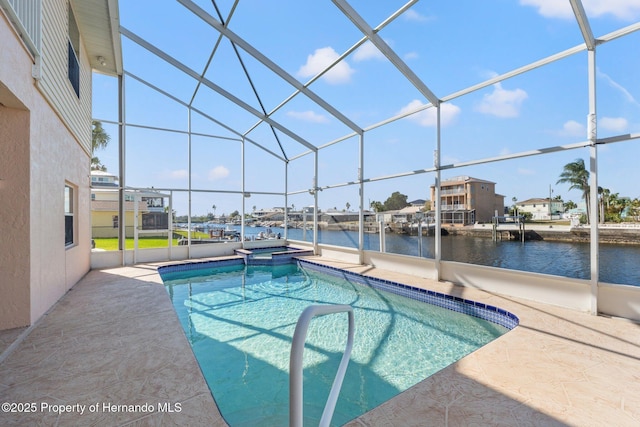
(511, 225)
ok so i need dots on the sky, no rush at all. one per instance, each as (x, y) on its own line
(448, 46)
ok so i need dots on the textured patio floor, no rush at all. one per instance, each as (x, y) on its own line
(114, 339)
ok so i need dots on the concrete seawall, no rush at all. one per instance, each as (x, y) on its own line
(627, 236)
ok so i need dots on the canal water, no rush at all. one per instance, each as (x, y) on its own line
(618, 263)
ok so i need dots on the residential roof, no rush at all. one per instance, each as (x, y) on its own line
(464, 178)
(536, 200)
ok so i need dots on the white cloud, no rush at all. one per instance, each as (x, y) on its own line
(618, 87)
(550, 8)
(308, 116)
(427, 118)
(573, 128)
(411, 55)
(502, 102)
(627, 10)
(412, 15)
(218, 172)
(367, 51)
(320, 60)
(614, 124)
(179, 174)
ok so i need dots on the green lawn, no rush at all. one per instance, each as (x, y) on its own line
(111, 244)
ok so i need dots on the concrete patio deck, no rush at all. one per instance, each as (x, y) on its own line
(114, 342)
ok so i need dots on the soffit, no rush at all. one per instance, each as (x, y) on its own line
(98, 21)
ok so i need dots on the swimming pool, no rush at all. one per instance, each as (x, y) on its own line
(240, 319)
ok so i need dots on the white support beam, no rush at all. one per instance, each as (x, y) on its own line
(234, 38)
(203, 114)
(386, 50)
(195, 75)
(583, 23)
(594, 258)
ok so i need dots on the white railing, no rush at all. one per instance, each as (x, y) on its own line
(26, 15)
(459, 207)
(295, 364)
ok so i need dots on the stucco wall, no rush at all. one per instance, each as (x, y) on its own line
(14, 180)
(14, 226)
(56, 160)
(40, 154)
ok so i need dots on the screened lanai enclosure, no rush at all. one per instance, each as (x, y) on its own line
(303, 120)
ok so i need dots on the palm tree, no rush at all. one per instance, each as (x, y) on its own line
(604, 193)
(99, 140)
(570, 205)
(214, 210)
(577, 175)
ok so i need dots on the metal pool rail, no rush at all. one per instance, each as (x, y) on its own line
(295, 363)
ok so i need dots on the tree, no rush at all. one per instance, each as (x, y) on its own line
(348, 205)
(569, 205)
(396, 201)
(214, 210)
(99, 141)
(577, 175)
(376, 206)
(604, 194)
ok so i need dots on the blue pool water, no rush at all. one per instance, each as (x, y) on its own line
(240, 320)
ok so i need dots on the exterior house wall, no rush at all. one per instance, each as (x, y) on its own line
(55, 84)
(14, 211)
(483, 200)
(45, 137)
(102, 213)
(470, 194)
(539, 208)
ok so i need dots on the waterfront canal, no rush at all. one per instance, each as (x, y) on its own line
(618, 263)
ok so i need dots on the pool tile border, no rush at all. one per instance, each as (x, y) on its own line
(472, 308)
(480, 310)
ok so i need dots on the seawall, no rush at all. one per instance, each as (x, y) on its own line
(627, 236)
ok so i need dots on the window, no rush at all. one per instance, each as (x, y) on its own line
(68, 215)
(73, 52)
(114, 220)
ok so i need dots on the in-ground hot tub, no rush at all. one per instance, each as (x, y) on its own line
(272, 255)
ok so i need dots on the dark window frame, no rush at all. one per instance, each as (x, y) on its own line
(69, 215)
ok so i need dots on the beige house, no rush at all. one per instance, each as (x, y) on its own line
(465, 200)
(48, 51)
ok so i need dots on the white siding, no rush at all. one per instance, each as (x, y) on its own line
(55, 84)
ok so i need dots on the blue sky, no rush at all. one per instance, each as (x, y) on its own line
(450, 46)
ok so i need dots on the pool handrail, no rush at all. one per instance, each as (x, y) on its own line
(295, 363)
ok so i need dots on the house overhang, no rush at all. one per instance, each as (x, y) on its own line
(99, 24)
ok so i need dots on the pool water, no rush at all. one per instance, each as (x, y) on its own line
(240, 321)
